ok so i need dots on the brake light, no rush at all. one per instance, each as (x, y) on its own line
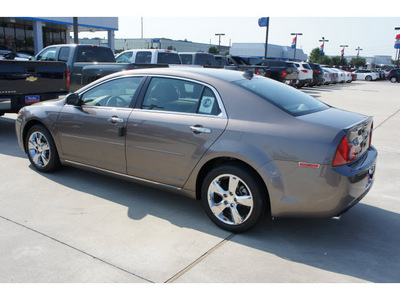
(345, 153)
(304, 71)
(317, 71)
(256, 71)
(283, 74)
(67, 78)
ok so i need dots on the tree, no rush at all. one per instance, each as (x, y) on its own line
(358, 62)
(213, 50)
(317, 57)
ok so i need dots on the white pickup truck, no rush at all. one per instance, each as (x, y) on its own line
(149, 56)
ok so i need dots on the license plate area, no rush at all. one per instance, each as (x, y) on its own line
(32, 99)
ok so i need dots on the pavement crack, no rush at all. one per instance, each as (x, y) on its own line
(387, 119)
(197, 261)
(76, 249)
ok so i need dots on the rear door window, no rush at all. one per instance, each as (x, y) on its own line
(175, 95)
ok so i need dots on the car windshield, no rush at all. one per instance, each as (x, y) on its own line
(285, 97)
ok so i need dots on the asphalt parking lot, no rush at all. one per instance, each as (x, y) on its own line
(76, 226)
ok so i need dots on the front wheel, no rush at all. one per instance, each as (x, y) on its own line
(233, 198)
(41, 149)
(393, 79)
(368, 78)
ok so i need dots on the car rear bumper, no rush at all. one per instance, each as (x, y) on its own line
(321, 192)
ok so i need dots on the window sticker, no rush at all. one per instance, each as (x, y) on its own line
(206, 105)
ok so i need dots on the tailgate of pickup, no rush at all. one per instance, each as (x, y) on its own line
(32, 78)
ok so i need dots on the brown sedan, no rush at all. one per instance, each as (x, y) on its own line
(243, 144)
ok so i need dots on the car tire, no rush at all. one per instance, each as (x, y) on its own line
(233, 197)
(393, 79)
(368, 78)
(41, 149)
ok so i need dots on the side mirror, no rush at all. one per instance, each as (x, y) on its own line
(73, 99)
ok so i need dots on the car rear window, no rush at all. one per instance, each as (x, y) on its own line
(283, 96)
(94, 54)
(168, 58)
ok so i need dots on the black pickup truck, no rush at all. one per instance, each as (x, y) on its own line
(87, 63)
(242, 64)
(25, 82)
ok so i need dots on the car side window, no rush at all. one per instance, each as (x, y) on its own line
(125, 57)
(48, 54)
(175, 95)
(143, 57)
(64, 54)
(114, 93)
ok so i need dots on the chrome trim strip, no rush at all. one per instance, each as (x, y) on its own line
(122, 175)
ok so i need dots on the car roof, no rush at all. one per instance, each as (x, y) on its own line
(192, 72)
(195, 73)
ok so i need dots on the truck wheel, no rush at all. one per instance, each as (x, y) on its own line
(41, 149)
(232, 198)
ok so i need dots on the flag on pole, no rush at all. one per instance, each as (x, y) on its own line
(342, 52)
(358, 54)
(397, 42)
(263, 22)
(293, 43)
(321, 49)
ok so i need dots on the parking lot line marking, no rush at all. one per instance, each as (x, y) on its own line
(183, 271)
(76, 249)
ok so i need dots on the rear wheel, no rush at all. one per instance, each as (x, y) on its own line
(41, 149)
(368, 78)
(232, 197)
(393, 79)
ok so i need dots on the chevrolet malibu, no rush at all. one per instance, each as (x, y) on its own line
(246, 145)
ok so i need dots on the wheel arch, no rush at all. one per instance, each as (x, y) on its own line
(28, 126)
(215, 162)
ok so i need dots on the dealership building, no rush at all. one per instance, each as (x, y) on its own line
(156, 43)
(30, 35)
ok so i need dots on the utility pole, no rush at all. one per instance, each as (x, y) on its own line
(76, 38)
(323, 44)
(295, 44)
(219, 42)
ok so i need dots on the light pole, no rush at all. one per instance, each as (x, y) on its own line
(323, 44)
(342, 56)
(219, 42)
(295, 44)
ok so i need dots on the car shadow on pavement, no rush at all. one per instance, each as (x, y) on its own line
(363, 244)
(8, 139)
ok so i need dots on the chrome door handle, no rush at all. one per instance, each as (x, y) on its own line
(115, 120)
(200, 129)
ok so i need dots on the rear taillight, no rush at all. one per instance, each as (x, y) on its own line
(283, 74)
(256, 71)
(304, 71)
(345, 153)
(67, 78)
